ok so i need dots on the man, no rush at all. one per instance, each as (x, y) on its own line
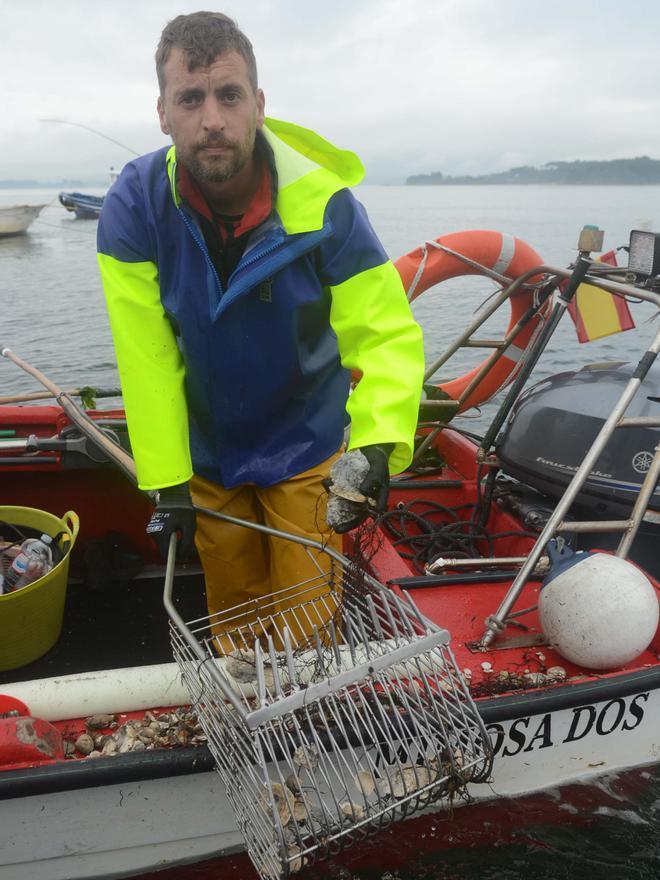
(243, 283)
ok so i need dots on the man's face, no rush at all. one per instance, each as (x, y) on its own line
(211, 113)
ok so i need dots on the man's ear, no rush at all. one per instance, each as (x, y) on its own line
(164, 127)
(261, 104)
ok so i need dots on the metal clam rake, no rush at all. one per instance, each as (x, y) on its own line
(332, 709)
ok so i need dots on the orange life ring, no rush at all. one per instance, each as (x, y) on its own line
(506, 254)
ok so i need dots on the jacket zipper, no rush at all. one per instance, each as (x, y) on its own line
(288, 250)
(215, 307)
(200, 244)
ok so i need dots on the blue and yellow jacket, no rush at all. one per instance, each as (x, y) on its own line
(250, 383)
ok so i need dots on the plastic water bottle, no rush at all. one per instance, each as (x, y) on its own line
(34, 560)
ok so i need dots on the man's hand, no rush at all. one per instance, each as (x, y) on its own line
(358, 486)
(174, 513)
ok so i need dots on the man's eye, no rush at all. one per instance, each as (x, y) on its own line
(232, 97)
(190, 100)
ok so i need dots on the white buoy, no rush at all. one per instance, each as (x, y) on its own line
(598, 611)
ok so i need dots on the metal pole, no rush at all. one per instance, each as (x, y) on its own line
(496, 621)
(647, 489)
(577, 276)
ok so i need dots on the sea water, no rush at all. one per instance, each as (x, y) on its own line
(52, 314)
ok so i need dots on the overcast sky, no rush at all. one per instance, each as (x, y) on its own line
(458, 86)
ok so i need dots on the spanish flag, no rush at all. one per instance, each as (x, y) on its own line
(597, 313)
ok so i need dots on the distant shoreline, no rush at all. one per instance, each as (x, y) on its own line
(477, 182)
(62, 184)
(641, 171)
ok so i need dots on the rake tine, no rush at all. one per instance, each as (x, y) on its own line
(335, 647)
(319, 648)
(374, 619)
(390, 619)
(288, 653)
(277, 683)
(415, 610)
(261, 678)
(350, 637)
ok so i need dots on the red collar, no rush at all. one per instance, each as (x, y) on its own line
(257, 211)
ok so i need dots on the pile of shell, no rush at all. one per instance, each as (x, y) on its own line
(166, 730)
(505, 681)
(304, 819)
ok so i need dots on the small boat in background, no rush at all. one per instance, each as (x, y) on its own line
(84, 206)
(15, 219)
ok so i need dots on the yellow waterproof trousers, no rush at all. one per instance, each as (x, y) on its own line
(241, 564)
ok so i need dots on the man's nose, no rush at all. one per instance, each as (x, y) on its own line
(213, 117)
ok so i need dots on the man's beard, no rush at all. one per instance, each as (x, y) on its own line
(219, 169)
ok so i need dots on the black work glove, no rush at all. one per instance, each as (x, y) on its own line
(174, 513)
(345, 513)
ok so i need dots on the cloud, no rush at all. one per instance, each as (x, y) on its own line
(462, 86)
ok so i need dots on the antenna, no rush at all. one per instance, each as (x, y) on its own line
(94, 131)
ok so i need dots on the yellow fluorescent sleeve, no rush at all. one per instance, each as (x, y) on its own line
(378, 336)
(151, 372)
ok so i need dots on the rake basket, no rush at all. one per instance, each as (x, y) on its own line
(332, 709)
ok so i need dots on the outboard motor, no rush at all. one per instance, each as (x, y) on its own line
(552, 426)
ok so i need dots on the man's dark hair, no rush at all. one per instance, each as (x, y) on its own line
(203, 36)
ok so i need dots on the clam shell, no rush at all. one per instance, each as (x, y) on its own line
(241, 665)
(292, 783)
(306, 757)
(348, 494)
(351, 810)
(110, 747)
(98, 722)
(283, 802)
(406, 780)
(300, 812)
(295, 859)
(85, 744)
(365, 782)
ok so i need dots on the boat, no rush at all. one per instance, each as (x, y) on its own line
(473, 532)
(15, 219)
(83, 205)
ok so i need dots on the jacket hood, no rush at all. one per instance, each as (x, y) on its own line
(310, 170)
